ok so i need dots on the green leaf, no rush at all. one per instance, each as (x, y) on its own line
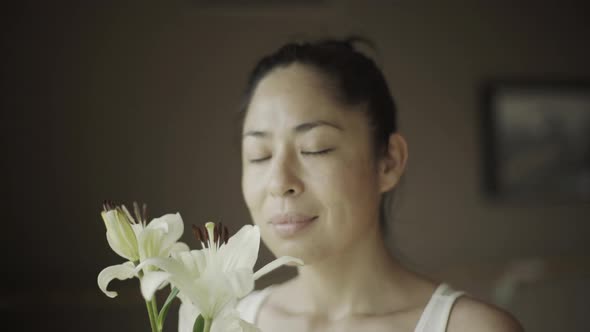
(164, 311)
(199, 324)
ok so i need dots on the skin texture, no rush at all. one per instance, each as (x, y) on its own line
(349, 282)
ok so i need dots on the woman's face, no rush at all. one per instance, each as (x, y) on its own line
(309, 177)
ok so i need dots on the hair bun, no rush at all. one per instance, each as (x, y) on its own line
(355, 40)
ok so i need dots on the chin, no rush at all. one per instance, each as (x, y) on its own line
(303, 246)
(306, 252)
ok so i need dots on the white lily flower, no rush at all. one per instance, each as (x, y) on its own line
(214, 278)
(137, 241)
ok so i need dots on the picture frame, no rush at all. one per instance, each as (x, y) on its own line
(536, 139)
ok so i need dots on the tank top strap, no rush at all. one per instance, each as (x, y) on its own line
(435, 316)
(249, 306)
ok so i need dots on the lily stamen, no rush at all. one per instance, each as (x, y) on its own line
(212, 236)
(140, 215)
(144, 211)
(131, 219)
(107, 205)
(198, 233)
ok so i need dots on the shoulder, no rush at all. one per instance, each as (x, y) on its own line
(469, 314)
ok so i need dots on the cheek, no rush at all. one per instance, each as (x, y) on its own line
(348, 180)
(251, 190)
(351, 195)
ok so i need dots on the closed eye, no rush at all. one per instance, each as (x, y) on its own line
(316, 153)
(306, 153)
(259, 160)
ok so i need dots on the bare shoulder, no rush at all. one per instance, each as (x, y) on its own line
(469, 314)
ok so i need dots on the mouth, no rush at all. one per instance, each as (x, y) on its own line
(289, 225)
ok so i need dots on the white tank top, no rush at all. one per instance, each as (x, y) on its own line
(434, 318)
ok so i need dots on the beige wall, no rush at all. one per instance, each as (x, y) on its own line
(138, 102)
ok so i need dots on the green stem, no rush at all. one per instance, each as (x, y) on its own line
(207, 325)
(150, 310)
(155, 312)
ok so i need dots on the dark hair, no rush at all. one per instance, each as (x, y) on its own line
(358, 80)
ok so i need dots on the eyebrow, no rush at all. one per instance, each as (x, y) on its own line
(299, 129)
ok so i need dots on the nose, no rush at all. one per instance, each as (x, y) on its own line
(284, 181)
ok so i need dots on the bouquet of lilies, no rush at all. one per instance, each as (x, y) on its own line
(211, 279)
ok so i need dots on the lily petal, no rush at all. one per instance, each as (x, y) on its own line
(187, 314)
(179, 247)
(230, 321)
(121, 272)
(194, 261)
(159, 236)
(210, 294)
(149, 243)
(151, 282)
(275, 264)
(137, 229)
(120, 235)
(241, 281)
(174, 228)
(179, 275)
(241, 251)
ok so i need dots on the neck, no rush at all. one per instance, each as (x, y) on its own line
(362, 280)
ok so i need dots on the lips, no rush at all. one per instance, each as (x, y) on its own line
(290, 218)
(289, 224)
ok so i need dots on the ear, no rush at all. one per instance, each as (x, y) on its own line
(393, 163)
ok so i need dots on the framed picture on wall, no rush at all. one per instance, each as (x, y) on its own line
(536, 139)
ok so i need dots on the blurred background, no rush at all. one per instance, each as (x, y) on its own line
(138, 101)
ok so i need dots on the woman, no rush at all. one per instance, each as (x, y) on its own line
(321, 155)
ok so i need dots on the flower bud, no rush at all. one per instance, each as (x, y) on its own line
(120, 234)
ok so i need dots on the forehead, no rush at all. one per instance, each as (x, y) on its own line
(294, 93)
